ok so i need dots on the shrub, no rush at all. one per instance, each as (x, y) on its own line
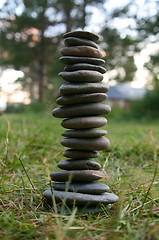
(148, 107)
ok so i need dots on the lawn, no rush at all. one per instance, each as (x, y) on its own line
(30, 148)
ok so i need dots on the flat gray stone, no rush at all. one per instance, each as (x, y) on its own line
(89, 188)
(84, 122)
(86, 133)
(73, 41)
(95, 144)
(82, 210)
(82, 76)
(82, 88)
(82, 34)
(85, 66)
(82, 51)
(78, 154)
(72, 59)
(81, 198)
(80, 110)
(76, 176)
(81, 98)
(84, 164)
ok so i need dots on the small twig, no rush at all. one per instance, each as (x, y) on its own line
(26, 173)
(97, 175)
(144, 204)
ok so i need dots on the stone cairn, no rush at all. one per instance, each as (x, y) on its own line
(81, 99)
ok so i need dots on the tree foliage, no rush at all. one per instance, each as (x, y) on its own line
(31, 38)
(148, 29)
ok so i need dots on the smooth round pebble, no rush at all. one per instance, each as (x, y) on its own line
(90, 188)
(79, 154)
(82, 88)
(76, 176)
(82, 34)
(88, 133)
(72, 59)
(95, 144)
(84, 122)
(81, 98)
(82, 76)
(82, 51)
(91, 109)
(73, 41)
(79, 164)
(81, 198)
(85, 66)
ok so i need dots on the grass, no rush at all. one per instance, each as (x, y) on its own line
(30, 148)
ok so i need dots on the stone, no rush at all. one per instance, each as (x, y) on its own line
(91, 109)
(85, 133)
(82, 51)
(81, 98)
(82, 88)
(82, 104)
(72, 59)
(81, 198)
(78, 154)
(82, 34)
(82, 76)
(90, 188)
(96, 144)
(84, 122)
(79, 164)
(83, 210)
(73, 41)
(85, 66)
(76, 176)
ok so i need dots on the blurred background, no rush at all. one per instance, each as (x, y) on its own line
(31, 38)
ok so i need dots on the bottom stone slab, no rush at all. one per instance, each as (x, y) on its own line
(80, 199)
(82, 210)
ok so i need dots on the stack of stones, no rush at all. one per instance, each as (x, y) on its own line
(81, 101)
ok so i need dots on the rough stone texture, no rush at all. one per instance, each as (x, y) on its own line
(82, 199)
(78, 154)
(91, 109)
(84, 66)
(96, 144)
(90, 188)
(82, 76)
(84, 133)
(85, 164)
(82, 51)
(84, 122)
(76, 176)
(82, 34)
(81, 98)
(73, 41)
(71, 60)
(72, 89)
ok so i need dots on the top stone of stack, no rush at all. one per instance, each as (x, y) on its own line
(82, 34)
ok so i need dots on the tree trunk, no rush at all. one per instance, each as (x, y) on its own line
(69, 20)
(42, 59)
(84, 14)
(31, 84)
